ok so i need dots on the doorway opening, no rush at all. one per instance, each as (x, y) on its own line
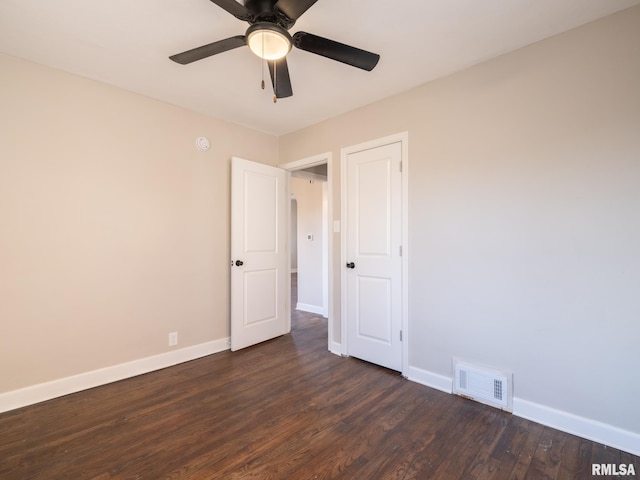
(311, 239)
(308, 227)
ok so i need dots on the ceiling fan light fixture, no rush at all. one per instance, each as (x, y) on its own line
(268, 41)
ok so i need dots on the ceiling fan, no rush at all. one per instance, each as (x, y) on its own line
(269, 39)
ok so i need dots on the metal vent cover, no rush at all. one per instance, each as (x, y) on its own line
(488, 386)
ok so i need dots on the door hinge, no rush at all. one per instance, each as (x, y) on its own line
(401, 166)
(400, 335)
(400, 249)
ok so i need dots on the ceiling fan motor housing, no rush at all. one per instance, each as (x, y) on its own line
(260, 6)
(265, 11)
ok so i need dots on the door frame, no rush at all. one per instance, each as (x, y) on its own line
(307, 162)
(403, 139)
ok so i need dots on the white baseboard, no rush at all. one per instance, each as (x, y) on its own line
(582, 427)
(335, 348)
(430, 379)
(566, 422)
(305, 307)
(64, 386)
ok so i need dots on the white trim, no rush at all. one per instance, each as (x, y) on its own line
(83, 381)
(564, 421)
(305, 307)
(309, 162)
(335, 348)
(429, 379)
(344, 351)
(403, 139)
(583, 427)
(305, 163)
(325, 251)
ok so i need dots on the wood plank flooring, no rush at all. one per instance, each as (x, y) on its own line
(285, 409)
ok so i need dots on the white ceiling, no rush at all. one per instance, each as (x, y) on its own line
(127, 43)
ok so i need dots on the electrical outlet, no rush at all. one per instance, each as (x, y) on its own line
(173, 339)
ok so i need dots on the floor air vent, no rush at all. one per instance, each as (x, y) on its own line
(483, 385)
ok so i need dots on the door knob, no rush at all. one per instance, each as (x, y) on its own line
(351, 265)
(239, 263)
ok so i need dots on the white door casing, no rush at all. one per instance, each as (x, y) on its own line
(374, 300)
(259, 277)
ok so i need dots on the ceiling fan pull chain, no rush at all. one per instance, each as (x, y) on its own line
(275, 81)
(263, 63)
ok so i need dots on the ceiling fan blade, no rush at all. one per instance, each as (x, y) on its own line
(293, 9)
(207, 50)
(280, 78)
(236, 9)
(336, 51)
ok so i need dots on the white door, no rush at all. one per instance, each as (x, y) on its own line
(373, 255)
(258, 252)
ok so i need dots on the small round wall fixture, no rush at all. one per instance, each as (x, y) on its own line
(202, 143)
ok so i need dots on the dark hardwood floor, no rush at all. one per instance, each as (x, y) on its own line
(285, 409)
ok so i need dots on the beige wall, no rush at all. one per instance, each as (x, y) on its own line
(524, 216)
(114, 228)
